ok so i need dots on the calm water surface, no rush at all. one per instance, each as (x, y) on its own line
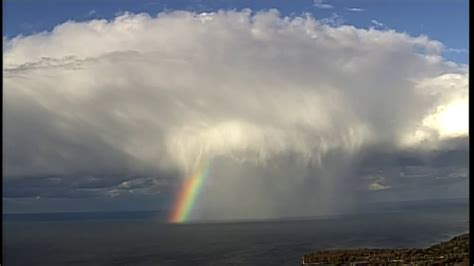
(142, 239)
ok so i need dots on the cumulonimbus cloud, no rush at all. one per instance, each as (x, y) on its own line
(147, 94)
(182, 83)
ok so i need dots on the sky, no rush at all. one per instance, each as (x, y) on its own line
(306, 108)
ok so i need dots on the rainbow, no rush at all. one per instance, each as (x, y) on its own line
(186, 196)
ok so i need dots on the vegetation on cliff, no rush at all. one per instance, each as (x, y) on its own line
(452, 252)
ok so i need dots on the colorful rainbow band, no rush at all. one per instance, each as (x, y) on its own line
(188, 192)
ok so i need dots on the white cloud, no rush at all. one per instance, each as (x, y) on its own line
(449, 119)
(322, 4)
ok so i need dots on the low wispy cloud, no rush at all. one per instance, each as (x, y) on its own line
(355, 9)
(334, 20)
(91, 13)
(378, 24)
(377, 186)
(457, 51)
(322, 4)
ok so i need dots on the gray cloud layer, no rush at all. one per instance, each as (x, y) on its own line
(283, 106)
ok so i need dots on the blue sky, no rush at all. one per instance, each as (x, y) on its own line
(442, 20)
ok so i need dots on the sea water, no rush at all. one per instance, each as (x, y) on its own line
(142, 238)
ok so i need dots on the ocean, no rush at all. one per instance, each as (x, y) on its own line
(142, 238)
